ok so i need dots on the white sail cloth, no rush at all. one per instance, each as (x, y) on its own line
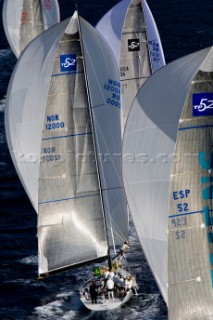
(147, 156)
(20, 13)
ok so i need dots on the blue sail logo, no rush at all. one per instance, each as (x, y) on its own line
(202, 104)
(68, 62)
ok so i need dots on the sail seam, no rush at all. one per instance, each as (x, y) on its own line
(65, 74)
(196, 127)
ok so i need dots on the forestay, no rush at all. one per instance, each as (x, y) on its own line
(141, 52)
(148, 147)
(74, 123)
(25, 19)
(190, 251)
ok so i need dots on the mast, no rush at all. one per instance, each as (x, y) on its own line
(93, 136)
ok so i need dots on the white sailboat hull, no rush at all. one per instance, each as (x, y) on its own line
(107, 304)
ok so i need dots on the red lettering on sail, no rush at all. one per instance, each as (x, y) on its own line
(24, 17)
(47, 4)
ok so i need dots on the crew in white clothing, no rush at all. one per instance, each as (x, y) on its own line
(110, 287)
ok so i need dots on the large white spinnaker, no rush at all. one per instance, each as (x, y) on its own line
(190, 250)
(23, 20)
(67, 127)
(141, 52)
(111, 24)
(147, 156)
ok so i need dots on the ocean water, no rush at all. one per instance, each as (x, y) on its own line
(185, 26)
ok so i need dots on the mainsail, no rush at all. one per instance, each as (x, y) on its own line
(148, 151)
(190, 251)
(141, 52)
(64, 115)
(25, 19)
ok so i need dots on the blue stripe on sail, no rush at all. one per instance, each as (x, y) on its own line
(66, 199)
(68, 136)
(188, 213)
(66, 74)
(185, 214)
(196, 127)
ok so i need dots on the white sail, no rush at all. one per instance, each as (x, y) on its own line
(141, 52)
(63, 119)
(190, 252)
(111, 24)
(23, 20)
(148, 147)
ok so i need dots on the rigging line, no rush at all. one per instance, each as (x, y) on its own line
(202, 81)
(185, 214)
(190, 280)
(73, 198)
(112, 188)
(93, 135)
(138, 78)
(68, 136)
(98, 105)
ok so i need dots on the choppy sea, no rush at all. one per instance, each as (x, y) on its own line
(185, 26)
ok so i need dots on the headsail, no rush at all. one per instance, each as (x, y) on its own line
(141, 52)
(67, 99)
(148, 148)
(26, 19)
(190, 251)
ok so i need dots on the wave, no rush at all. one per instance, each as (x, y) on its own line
(31, 260)
(2, 104)
(5, 52)
(64, 306)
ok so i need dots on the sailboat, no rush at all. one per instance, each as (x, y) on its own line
(24, 20)
(130, 29)
(63, 132)
(190, 251)
(148, 155)
(141, 52)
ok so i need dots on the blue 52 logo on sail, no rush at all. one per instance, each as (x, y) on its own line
(68, 62)
(202, 104)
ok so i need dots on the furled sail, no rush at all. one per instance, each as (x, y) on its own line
(141, 52)
(148, 151)
(62, 115)
(190, 251)
(25, 19)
